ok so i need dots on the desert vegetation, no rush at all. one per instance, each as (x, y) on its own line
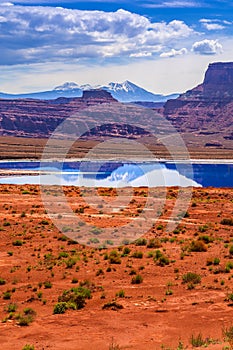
(48, 280)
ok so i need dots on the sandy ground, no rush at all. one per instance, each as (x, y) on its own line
(160, 311)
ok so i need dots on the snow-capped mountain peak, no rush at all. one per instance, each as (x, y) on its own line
(67, 86)
(85, 87)
(125, 86)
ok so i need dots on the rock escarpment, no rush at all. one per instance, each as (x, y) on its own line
(208, 108)
(39, 118)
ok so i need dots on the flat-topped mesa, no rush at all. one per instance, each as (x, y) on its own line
(218, 81)
(98, 94)
(207, 107)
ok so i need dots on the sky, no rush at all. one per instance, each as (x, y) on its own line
(163, 46)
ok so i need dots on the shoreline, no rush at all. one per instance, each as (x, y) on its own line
(161, 160)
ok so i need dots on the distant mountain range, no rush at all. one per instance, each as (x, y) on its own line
(123, 92)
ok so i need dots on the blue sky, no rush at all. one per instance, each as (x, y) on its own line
(164, 46)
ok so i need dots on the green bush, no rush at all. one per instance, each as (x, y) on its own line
(17, 243)
(11, 307)
(63, 255)
(229, 266)
(26, 318)
(2, 282)
(191, 277)
(138, 255)
(140, 242)
(198, 246)
(160, 259)
(137, 279)
(75, 299)
(126, 251)
(70, 263)
(231, 250)
(60, 308)
(114, 257)
(47, 284)
(197, 341)
(206, 239)
(28, 347)
(7, 295)
(154, 243)
(120, 294)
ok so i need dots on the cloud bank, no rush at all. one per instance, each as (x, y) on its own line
(31, 34)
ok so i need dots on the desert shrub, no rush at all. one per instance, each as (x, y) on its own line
(191, 277)
(7, 295)
(126, 251)
(60, 307)
(96, 230)
(227, 221)
(17, 243)
(26, 192)
(211, 261)
(114, 346)
(120, 294)
(6, 223)
(216, 261)
(197, 341)
(11, 307)
(75, 299)
(229, 266)
(154, 243)
(176, 231)
(2, 282)
(63, 255)
(203, 228)
(26, 318)
(29, 311)
(74, 280)
(99, 272)
(137, 255)
(160, 259)
(140, 242)
(88, 286)
(28, 347)
(228, 335)
(198, 246)
(44, 222)
(206, 239)
(137, 279)
(112, 306)
(114, 257)
(70, 263)
(47, 284)
(231, 250)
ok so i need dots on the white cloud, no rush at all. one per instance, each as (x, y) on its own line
(31, 34)
(174, 4)
(207, 47)
(6, 4)
(141, 54)
(213, 24)
(173, 53)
